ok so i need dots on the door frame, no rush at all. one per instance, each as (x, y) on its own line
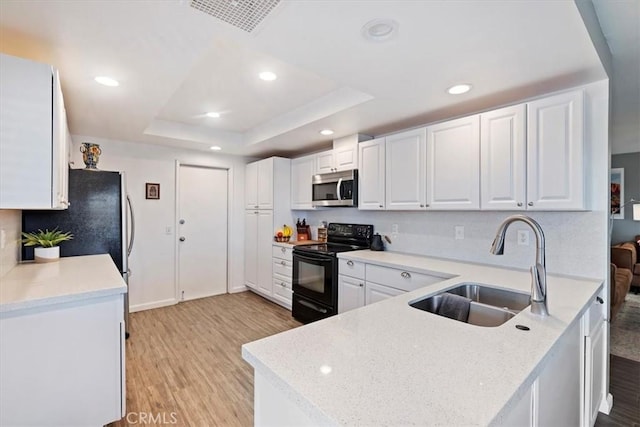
(229, 170)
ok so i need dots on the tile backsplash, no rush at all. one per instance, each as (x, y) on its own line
(10, 226)
(569, 236)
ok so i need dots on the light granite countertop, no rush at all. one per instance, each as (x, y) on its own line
(390, 364)
(70, 279)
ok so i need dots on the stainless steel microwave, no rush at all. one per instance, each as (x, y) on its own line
(335, 189)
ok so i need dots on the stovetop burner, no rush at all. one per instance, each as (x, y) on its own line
(328, 248)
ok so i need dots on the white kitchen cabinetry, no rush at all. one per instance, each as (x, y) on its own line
(34, 139)
(324, 162)
(405, 170)
(555, 158)
(453, 164)
(375, 292)
(344, 155)
(63, 364)
(350, 285)
(371, 175)
(594, 361)
(270, 181)
(282, 275)
(302, 171)
(503, 159)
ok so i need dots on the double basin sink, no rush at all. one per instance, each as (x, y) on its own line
(489, 306)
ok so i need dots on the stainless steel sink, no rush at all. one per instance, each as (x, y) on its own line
(489, 306)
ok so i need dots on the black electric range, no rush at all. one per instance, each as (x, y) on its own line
(315, 270)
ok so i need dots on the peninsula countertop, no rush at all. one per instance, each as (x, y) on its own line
(31, 285)
(390, 364)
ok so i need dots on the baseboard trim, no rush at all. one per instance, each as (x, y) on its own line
(151, 305)
(238, 290)
(607, 404)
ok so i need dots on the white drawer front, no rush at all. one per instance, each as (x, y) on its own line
(351, 268)
(282, 288)
(282, 252)
(400, 279)
(282, 267)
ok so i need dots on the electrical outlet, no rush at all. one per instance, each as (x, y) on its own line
(394, 228)
(523, 237)
(459, 232)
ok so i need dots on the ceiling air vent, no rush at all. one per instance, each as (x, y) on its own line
(243, 14)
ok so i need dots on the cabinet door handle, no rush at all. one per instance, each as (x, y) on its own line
(519, 204)
(283, 285)
(406, 274)
(350, 263)
(283, 263)
(361, 284)
(600, 300)
(530, 204)
(283, 250)
(381, 206)
(422, 206)
(427, 205)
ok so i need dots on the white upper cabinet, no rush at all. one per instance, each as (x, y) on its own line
(302, 171)
(453, 162)
(405, 170)
(503, 159)
(265, 183)
(371, 178)
(324, 162)
(34, 139)
(555, 148)
(251, 186)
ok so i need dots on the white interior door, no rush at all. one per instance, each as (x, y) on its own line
(202, 232)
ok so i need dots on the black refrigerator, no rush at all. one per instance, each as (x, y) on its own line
(99, 216)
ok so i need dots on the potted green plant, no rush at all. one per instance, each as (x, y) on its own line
(46, 243)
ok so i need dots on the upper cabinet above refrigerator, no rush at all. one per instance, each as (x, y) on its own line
(34, 139)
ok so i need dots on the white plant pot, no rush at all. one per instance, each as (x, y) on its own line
(47, 254)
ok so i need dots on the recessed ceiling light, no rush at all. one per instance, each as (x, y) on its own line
(215, 148)
(459, 89)
(326, 132)
(380, 30)
(213, 114)
(107, 81)
(267, 76)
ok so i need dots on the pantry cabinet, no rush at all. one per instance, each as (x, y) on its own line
(32, 120)
(555, 152)
(268, 197)
(371, 175)
(503, 159)
(302, 171)
(453, 164)
(405, 170)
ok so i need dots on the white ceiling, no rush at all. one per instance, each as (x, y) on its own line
(175, 63)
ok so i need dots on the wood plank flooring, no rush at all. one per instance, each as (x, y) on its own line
(625, 387)
(184, 363)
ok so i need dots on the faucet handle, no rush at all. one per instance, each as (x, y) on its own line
(539, 290)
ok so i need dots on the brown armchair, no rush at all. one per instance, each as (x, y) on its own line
(625, 272)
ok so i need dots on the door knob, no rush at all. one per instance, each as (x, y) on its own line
(182, 239)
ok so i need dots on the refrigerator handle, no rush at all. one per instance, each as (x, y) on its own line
(132, 236)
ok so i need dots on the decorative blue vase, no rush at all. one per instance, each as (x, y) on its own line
(90, 154)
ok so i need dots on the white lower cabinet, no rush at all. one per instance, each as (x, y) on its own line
(350, 293)
(282, 275)
(570, 387)
(375, 292)
(63, 364)
(258, 241)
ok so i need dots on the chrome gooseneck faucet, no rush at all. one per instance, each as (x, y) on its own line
(538, 271)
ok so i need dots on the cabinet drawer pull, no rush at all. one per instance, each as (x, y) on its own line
(283, 285)
(283, 250)
(283, 263)
(600, 300)
(519, 204)
(530, 204)
(406, 274)
(381, 206)
(350, 263)
(422, 206)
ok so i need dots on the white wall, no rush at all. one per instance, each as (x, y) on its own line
(10, 225)
(576, 242)
(152, 262)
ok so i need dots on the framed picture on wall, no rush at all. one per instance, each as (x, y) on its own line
(617, 193)
(152, 191)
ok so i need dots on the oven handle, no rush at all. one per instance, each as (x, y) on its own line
(339, 189)
(316, 258)
(313, 306)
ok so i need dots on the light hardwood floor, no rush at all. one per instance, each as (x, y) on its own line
(184, 363)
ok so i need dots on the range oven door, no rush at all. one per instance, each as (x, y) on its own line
(315, 277)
